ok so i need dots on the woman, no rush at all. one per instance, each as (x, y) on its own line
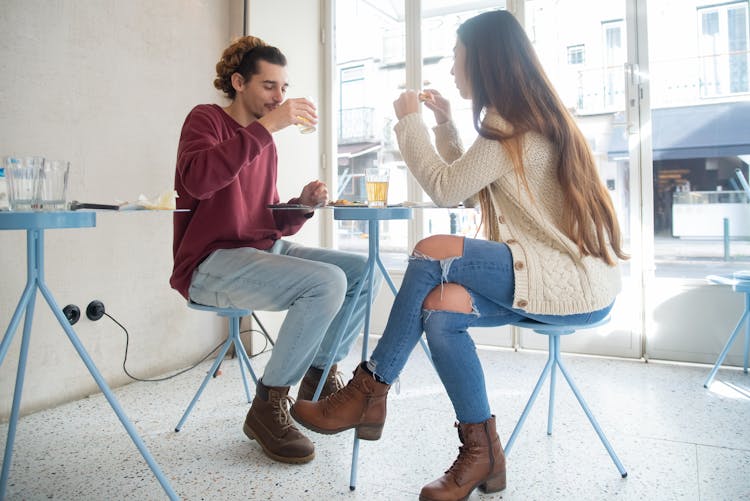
(551, 251)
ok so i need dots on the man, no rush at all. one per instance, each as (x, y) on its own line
(228, 249)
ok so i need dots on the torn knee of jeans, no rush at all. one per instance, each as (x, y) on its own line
(445, 264)
(417, 254)
(426, 312)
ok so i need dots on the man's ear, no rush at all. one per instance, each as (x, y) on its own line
(238, 82)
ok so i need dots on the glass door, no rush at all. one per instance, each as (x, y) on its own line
(583, 47)
(369, 73)
(380, 49)
(700, 115)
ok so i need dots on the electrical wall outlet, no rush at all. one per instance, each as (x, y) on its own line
(95, 310)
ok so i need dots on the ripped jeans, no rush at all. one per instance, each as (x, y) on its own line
(486, 270)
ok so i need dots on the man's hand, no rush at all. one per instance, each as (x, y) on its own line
(291, 112)
(314, 193)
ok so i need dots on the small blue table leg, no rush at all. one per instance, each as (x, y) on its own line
(373, 257)
(107, 393)
(353, 472)
(17, 392)
(729, 342)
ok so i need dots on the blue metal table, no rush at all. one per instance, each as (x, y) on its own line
(373, 216)
(35, 223)
(740, 282)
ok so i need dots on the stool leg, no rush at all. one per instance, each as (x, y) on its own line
(246, 360)
(593, 421)
(554, 348)
(211, 371)
(262, 329)
(529, 404)
(234, 333)
(728, 345)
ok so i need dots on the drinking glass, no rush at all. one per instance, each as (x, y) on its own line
(23, 176)
(376, 182)
(306, 127)
(52, 186)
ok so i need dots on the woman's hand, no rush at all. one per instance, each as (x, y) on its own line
(440, 106)
(291, 112)
(407, 103)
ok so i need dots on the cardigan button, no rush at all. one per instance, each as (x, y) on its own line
(522, 303)
(501, 218)
(518, 265)
(511, 241)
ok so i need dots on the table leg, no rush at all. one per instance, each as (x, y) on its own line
(28, 305)
(35, 280)
(729, 343)
(369, 269)
(31, 278)
(107, 392)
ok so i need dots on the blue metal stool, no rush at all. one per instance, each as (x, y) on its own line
(740, 282)
(553, 362)
(234, 315)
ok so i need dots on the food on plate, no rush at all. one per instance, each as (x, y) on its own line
(344, 202)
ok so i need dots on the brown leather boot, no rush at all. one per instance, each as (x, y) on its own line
(269, 423)
(480, 462)
(309, 383)
(361, 404)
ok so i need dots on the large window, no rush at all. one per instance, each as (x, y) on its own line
(723, 49)
(371, 59)
(660, 90)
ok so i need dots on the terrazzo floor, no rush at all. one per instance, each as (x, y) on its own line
(676, 439)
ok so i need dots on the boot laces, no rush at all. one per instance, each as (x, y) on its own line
(465, 458)
(281, 411)
(339, 397)
(338, 380)
(334, 382)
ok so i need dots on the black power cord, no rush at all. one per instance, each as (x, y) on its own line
(183, 371)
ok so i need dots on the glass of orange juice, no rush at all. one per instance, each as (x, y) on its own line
(376, 182)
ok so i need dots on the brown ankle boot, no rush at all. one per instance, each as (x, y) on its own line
(480, 462)
(361, 404)
(269, 423)
(309, 383)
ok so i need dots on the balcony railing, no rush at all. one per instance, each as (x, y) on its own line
(674, 82)
(356, 125)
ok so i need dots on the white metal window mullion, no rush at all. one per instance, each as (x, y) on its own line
(638, 108)
(328, 120)
(413, 53)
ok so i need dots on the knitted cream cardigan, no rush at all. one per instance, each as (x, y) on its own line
(550, 275)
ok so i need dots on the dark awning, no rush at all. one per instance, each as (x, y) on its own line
(706, 131)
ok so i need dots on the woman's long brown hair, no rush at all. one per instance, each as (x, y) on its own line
(505, 74)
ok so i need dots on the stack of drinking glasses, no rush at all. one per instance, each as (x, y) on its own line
(36, 183)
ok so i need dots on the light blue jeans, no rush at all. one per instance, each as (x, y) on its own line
(315, 285)
(486, 270)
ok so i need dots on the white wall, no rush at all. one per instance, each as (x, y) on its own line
(293, 27)
(106, 85)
